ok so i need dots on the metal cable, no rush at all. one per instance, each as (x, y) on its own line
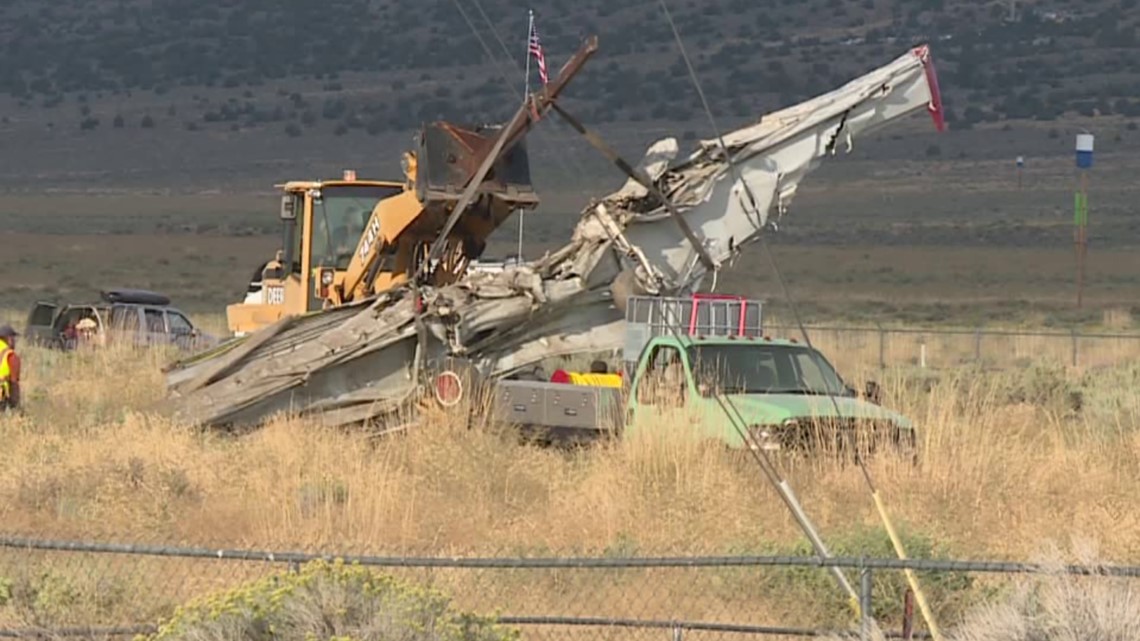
(294, 557)
(780, 485)
(495, 32)
(735, 174)
(791, 303)
(487, 50)
(602, 622)
(90, 632)
(726, 404)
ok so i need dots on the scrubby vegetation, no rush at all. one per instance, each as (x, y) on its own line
(1052, 606)
(1058, 607)
(328, 601)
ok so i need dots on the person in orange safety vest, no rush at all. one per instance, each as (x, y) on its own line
(9, 369)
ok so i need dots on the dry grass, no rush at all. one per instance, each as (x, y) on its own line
(86, 460)
(1007, 464)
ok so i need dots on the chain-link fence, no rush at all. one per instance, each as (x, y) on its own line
(56, 589)
(861, 347)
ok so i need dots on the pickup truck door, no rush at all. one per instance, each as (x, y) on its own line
(660, 391)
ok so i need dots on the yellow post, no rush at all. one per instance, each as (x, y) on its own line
(919, 597)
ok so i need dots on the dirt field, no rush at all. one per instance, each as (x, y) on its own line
(887, 234)
(863, 284)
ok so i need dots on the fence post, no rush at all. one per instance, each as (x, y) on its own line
(677, 633)
(978, 345)
(865, 602)
(908, 615)
(1076, 352)
(882, 348)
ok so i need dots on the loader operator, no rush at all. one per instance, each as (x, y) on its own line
(9, 369)
(274, 269)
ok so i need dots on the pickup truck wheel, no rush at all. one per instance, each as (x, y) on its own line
(851, 443)
(904, 443)
(907, 444)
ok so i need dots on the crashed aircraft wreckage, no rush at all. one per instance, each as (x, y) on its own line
(363, 361)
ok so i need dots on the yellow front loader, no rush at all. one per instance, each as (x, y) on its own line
(346, 240)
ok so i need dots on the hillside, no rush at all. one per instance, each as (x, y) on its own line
(156, 91)
(751, 55)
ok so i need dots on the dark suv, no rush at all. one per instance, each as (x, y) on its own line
(130, 315)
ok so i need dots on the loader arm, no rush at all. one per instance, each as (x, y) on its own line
(388, 220)
(359, 364)
(490, 174)
(401, 226)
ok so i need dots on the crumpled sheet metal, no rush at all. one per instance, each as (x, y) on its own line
(728, 209)
(353, 364)
(322, 366)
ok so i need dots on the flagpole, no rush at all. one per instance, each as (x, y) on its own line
(529, 31)
(526, 96)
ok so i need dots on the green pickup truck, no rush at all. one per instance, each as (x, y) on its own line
(686, 360)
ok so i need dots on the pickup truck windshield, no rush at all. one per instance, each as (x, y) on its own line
(339, 219)
(750, 368)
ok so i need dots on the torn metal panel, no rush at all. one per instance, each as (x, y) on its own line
(353, 364)
(728, 209)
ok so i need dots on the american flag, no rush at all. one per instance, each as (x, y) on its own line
(534, 48)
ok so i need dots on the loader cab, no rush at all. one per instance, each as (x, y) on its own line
(322, 223)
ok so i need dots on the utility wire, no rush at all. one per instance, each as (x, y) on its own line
(780, 486)
(730, 410)
(791, 303)
(483, 43)
(495, 32)
(726, 404)
(559, 157)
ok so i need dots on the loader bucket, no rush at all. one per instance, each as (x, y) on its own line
(449, 154)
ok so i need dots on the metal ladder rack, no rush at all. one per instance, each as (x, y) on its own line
(648, 317)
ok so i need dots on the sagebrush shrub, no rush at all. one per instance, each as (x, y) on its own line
(328, 601)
